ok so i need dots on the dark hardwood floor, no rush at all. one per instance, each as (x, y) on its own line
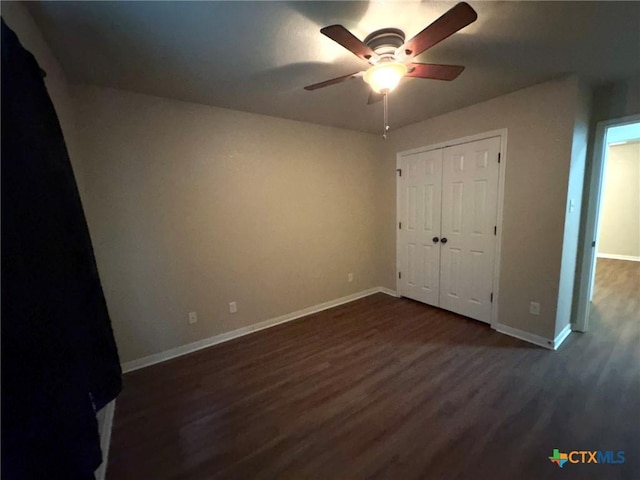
(385, 388)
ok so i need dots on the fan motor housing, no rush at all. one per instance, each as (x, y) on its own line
(385, 42)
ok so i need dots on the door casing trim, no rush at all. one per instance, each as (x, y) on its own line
(592, 197)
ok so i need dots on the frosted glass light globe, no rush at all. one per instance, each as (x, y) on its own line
(384, 77)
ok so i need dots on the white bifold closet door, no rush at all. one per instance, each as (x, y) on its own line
(447, 206)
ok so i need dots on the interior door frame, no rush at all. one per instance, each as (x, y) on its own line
(502, 133)
(589, 224)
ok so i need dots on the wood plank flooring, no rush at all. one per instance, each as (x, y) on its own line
(385, 388)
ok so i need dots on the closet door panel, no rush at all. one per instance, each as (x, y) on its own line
(419, 212)
(469, 209)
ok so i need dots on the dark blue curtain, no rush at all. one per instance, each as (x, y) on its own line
(59, 360)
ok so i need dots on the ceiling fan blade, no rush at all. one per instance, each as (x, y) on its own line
(374, 97)
(455, 19)
(434, 71)
(348, 40)
(333, 81)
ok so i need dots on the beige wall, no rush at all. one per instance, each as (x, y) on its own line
(573, 206)
(620, 206)
(191, 207)
(20, 21)
(540, 122)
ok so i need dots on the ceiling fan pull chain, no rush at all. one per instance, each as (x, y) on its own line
(385, 128)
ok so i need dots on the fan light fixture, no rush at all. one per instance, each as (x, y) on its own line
(385, 76)
(392, 57)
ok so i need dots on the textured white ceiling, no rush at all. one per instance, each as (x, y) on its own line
(258, 56)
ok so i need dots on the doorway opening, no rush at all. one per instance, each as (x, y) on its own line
(611, 246)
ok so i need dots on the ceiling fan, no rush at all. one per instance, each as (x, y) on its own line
(391, 57)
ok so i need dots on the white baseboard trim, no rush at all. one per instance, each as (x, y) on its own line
(388, 291)
(224, 337)
(535, 339)
(105, 438)
(562, 336)
(615, 256)
(526, 336)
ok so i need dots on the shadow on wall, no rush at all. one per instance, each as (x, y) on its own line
(614, 100)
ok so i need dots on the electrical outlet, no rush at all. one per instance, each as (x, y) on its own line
(350, 277)
(193, 317)
(233, 307)
(534, 308)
